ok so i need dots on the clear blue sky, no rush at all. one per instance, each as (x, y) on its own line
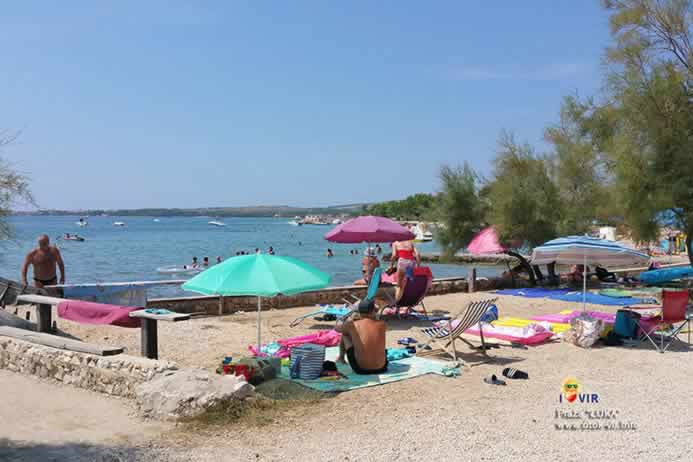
(188, 104)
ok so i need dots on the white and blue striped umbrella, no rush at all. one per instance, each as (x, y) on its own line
(578, 250)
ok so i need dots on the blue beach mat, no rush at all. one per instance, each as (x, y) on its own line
(567, 295)
(402, 369)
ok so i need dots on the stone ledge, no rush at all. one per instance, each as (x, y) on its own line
(117, 375)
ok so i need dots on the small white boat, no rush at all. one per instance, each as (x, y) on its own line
(421, 236)
(185, 269)
(336, 221)
(216, 223)
(82, 222)
(118, 223)
(156, 220)
(293, 223)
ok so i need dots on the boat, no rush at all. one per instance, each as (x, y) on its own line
(82, 222)
(421, 235)
(156, 220)
(294, 223)
(336, 221)
(185, 269)
(216, 223)
(119, 223)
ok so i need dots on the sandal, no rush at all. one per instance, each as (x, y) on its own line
(493, 380)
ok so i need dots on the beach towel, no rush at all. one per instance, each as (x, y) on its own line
(531, 333)
(567, 295)
(403, 369)
(327, 338)
(97, 313)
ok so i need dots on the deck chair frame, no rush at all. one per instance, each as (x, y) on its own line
(445, 337)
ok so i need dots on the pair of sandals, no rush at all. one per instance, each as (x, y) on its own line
(508, 372)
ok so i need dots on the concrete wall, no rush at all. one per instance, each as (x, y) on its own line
(114, 375)
(332, 295)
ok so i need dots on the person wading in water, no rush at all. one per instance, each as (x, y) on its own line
(44, 259)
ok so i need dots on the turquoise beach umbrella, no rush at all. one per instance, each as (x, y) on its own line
(261, 275)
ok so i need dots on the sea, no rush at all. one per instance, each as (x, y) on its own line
(135, 251)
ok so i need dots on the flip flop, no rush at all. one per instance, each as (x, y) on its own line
(493, 380)
(512, 373)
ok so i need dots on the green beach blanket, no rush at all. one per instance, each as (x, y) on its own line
(397, 370)
(643, 292)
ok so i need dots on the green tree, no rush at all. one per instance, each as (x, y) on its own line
(460, 209)
(523, 201)
(646, 127)
(14, 187)
(578, 170)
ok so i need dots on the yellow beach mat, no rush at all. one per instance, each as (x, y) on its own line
(556, 327)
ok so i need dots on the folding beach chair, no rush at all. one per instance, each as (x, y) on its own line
(664, 331)
(446, 336)
(342, 311)
(412, 296)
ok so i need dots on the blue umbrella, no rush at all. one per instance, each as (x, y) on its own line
(584, 250)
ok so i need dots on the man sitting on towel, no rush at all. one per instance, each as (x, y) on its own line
(363, 341)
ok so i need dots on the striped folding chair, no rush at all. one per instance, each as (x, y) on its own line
(446, 335)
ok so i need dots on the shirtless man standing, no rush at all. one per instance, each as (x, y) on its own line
(44, 259)
(363, 341)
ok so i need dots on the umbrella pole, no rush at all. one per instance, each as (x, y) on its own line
(259, 307)
(584, 283)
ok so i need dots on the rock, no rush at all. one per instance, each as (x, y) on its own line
(188, 393)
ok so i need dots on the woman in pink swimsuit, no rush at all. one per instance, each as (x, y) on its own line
(406, 256)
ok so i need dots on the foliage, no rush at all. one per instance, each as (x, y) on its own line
(646, 128)
(578, 170)
(460, 209)
(523, 200)
(14, 187)
(417, 207)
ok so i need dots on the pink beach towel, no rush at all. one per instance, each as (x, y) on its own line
(327, 338)
(98, 313)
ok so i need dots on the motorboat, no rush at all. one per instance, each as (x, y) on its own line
(294, 223)
(82, 222)
(185, 269)
(119, 223)
(421, 235)
(216, 223)
(156, 220)
(336, 221)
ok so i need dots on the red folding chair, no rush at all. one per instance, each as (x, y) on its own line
(674, 305)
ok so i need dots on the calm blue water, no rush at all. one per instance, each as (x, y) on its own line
(133, 253)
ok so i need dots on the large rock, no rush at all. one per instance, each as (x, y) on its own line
(189, 392)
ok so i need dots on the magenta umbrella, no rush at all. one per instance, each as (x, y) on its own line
(369, 229)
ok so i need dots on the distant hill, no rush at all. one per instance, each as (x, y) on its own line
(257, 211)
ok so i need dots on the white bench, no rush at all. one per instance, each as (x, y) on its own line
(149, 346)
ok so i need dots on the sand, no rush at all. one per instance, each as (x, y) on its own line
(436, 417)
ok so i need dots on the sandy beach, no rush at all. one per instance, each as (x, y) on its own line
(430, 416)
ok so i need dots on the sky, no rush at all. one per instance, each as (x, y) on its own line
(128, 104)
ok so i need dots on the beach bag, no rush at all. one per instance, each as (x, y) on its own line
(626, 325)
(306, 361)
(584, 331)
(490, 315)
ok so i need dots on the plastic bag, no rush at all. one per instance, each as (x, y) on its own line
(584, 331)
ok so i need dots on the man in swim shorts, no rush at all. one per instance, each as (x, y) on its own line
(44, 260)
(363, 341)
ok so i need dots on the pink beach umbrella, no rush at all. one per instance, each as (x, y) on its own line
(486, 242)
(369, 229)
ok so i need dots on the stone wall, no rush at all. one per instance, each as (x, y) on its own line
(331, 295)
(116, 375)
